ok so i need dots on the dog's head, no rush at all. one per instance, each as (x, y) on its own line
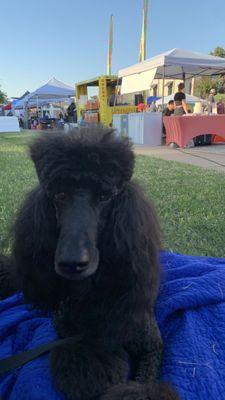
(82, 173)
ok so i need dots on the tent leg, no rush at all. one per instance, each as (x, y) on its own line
(116, 92)
(26, 117)
(192, 86)
(163, 88)
(37, 109)
(163, 95)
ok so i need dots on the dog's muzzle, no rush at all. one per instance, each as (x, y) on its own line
(77, 268)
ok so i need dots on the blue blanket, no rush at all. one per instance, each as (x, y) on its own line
(191, 315)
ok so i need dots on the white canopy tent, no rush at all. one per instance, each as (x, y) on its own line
(19, 104)
(26, 102)
(174, 64)
(53, 89)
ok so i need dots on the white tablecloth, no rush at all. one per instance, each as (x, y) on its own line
(9, 124)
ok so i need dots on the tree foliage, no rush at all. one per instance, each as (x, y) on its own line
(218, 52)
(206, 83)
(3, 96)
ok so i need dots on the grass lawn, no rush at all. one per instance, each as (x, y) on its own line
(190, 201)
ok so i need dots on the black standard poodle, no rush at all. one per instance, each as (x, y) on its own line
(86, 245)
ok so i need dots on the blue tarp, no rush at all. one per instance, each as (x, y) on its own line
(150, 99)
(191, 315)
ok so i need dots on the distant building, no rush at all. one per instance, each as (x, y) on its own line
(170, 87)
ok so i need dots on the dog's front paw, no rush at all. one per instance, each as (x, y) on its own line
(84, 373)
(166, 392)
(139, 391)
(127, 391)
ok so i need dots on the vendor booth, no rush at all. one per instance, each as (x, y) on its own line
(182, 65)
(54, 92)
(181, 129)
(101, 107)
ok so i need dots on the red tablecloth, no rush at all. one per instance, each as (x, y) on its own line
(217, 139)
(181, 129)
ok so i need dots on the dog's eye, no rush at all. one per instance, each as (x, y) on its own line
(59, 197)
(104, 197)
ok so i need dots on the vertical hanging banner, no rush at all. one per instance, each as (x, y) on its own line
(142, 52)
(110, 47)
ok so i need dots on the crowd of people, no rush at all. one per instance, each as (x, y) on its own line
(178, 106)
(46, 121)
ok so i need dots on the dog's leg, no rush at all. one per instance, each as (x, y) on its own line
(148, 353)
(85, 372)
(8, 284)
(146, 349)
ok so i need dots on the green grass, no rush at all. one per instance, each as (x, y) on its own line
(17, 176)
(189, 200)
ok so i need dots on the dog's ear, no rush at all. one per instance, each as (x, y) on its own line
(35, 237)
(39, 151)
(132, 236)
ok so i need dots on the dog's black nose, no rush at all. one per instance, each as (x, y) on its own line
(74, 264)
(73, 267)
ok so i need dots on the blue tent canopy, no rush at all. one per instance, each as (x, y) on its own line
(53, 89)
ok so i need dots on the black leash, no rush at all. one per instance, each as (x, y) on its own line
(9, 363)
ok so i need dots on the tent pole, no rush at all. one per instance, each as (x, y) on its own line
(37, 109)
(26, 116)
(192, 86)
(116, 92)
(163, 97)
(163, 87)
(183, 75)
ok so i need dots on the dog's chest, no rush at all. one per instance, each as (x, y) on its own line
(94, 314)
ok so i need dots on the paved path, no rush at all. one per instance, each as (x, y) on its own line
(211, 157)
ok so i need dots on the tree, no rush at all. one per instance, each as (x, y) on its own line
(204, 85)
(3, 97)
(218, 52)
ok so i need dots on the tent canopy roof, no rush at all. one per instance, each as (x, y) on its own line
(20, 103)
(176, 62)
(53, 89)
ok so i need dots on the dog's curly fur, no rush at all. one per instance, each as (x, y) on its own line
(111, 310)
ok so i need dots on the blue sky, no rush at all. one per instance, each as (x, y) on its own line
(68, 38)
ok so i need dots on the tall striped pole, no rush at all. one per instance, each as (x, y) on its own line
(110, 47)
(142, 51)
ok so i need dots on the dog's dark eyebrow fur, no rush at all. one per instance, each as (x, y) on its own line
(112, 310)
(101, 157)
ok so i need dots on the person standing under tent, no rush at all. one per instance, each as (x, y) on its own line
(220, 107)
(81, 119)
(180, 101)
(153, 107)
(211, 101)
